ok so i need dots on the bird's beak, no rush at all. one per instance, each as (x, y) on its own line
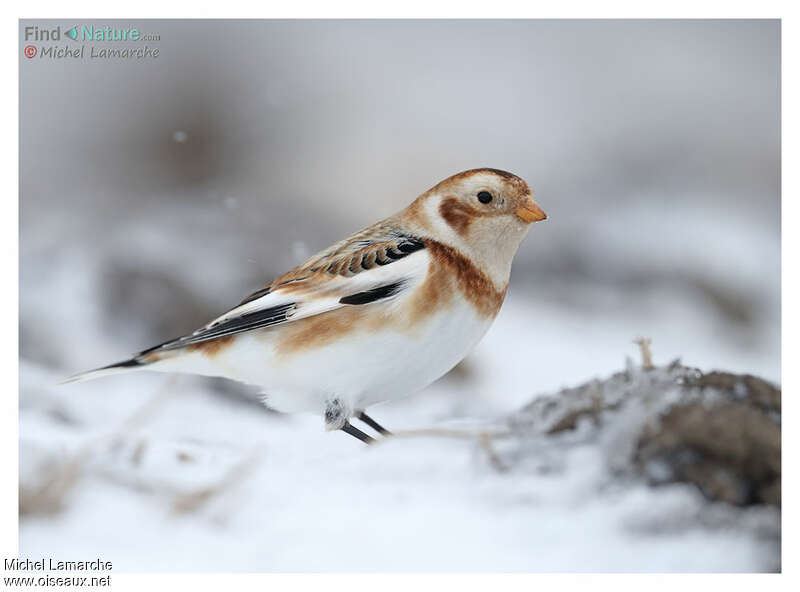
(530, 211)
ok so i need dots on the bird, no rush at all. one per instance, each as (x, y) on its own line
(375, 317)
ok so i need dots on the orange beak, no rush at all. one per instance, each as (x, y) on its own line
(530, 211)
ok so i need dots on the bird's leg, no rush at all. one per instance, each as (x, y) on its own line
(355, 432)
(336, 418)
(373, 424)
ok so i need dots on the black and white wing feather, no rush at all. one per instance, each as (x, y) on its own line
(367, 267)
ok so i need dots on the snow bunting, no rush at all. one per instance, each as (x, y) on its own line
(377, 316)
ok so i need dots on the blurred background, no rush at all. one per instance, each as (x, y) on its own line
(156, 193)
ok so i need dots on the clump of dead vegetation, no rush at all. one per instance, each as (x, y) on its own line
(720, 431)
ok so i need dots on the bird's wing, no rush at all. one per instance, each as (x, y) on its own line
(374, 264)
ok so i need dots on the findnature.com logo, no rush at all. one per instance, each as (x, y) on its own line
(89, 33)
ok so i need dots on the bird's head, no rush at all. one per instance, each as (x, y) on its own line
(484, 213)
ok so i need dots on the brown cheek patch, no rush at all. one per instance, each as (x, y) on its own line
(457, 214)
(212, 347)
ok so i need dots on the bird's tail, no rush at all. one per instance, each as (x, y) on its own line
(118, 368)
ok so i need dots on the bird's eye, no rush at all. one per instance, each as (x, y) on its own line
(484, 197)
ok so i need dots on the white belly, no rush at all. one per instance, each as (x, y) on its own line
(360, 369)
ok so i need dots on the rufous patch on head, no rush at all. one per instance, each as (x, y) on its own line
(212, 347)
(518, 186)
(457, 214)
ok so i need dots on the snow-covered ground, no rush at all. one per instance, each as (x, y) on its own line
(296, 499)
